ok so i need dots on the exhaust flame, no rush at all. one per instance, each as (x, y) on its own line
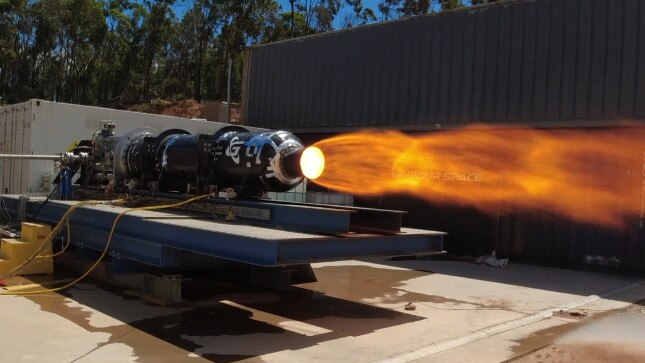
(587, 175)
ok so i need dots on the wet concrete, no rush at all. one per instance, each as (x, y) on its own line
(541, 339)
(382, 287)
(367, 283)
(217, 327)
(213, 330)
(356, 312)
(585, 352)
(96, 310)
(610, 336)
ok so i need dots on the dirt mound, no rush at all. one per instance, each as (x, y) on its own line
(182, 108)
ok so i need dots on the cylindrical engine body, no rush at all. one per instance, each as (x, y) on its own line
(177, 161)
(134, 156)
(256, 160)
(180, 159)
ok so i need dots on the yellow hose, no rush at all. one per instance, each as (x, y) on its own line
(107, 246)
(69, 238)
(55, 231)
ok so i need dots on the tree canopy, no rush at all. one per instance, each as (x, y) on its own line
(118, 52)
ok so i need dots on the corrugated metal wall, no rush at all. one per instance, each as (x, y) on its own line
(546, 62)
(534, 236)
(15, 138)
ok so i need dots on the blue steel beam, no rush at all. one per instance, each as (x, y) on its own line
(411, 242)
(124, 246)
(153, 238)
(321, 218)
(163, 232)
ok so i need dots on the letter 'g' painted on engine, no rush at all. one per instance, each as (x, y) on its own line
(233, 149)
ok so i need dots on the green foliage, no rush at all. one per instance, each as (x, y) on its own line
(451, 4)
(414, 7)
(280, 27)
(360, 15)
(118, 52)
(319, 14)
(391, 9)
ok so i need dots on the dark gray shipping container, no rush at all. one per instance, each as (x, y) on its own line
(535, 62)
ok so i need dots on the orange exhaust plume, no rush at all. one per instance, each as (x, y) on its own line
(588, 175)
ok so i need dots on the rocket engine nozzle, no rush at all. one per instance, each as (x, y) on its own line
(305, 161)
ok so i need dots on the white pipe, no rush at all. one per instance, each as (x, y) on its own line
(30, 157)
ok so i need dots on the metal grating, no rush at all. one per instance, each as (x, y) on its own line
(242, 212)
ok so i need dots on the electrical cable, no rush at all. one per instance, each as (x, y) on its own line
(107, 245)
(48, 197)
(155, 186)
(55, 232)
(47, 240)
(65, 245)
(231, 213)
(5, 213)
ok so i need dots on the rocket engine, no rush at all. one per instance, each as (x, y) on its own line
(177, 161)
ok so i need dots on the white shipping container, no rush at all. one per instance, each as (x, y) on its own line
(44, 127)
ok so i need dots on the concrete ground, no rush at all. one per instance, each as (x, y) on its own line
(356, 312)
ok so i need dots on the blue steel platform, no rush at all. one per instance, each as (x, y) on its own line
(160, 238)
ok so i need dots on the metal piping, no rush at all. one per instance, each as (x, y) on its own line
(65, 158)
(30, 157)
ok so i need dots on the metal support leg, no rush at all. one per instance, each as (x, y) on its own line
(66, 183)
